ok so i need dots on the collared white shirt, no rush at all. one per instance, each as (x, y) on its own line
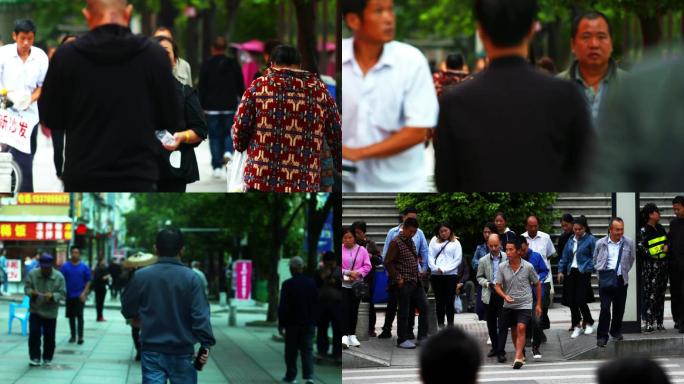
(19, 76)
(543, 245)
(613, 253)
(575, 242)
(397, 92)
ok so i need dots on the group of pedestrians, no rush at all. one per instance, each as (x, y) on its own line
(117, 127)
(570, 120)
(514, 277)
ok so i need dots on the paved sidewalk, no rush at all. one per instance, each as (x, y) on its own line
(243, 354)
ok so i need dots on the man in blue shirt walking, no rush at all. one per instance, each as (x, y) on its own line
(78, 278)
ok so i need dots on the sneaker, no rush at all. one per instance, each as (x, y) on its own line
(601, 343)
(535, 353)
(489, 341)
(216, 173)
(289, 381)
(385, 335)
(501, 358)
(47, 363)
(589, 329)
(227, 156)
(34, 362)
(101, 319)
(518, 364)
(575, 334)
(72, 339)
(345, 342)
(407, 344)
(353, 341)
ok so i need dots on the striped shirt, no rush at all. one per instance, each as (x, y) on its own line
(516, 284)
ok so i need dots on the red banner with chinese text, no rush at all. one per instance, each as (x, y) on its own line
(35, 231)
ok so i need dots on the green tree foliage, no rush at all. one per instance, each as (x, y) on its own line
(468, 212)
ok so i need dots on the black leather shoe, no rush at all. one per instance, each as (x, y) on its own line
(72, 339)
(385, 335)
(617, 337)
(491, 353)
(501, 358)
(601, 343)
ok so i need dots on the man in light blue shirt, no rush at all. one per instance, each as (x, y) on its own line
(389, 103)
(422, 250)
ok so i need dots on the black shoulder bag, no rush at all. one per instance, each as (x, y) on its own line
(608, 278)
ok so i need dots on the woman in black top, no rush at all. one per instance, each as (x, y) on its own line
(654, 257)
(190, 131)
(101, 278)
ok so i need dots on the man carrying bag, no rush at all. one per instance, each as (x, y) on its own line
(614, 256)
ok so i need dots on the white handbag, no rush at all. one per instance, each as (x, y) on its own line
(236, 173)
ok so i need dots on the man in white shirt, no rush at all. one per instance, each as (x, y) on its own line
(389, 103)
(541, 243)
(22, 72)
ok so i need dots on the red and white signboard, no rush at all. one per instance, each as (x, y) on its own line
(15, 130)
(243, 279)
(35, 231)
(13, 270)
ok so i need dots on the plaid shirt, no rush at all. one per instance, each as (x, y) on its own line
(401, 259)
(282, 122)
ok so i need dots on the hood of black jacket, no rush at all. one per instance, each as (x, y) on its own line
(110, 44)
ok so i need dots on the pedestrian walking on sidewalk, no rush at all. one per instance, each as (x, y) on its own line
(101, 278)
(109, 91)
(486, 277)
(536, 327)
(170, 323)
(46, 287)
(401, 262)
(577, 263)
(613, 258)
(329, 280)
(297, 314)
(355, 266)
(654, 255)
(513, 283)
(78, 279)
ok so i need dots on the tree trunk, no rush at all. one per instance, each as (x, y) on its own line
(651, 30)
(232, 10)
(192, 37)
(167, 14)
(208, 31)
(315, 223)
(306, 33)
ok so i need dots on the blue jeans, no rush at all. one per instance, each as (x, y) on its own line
(220, 137)
(157, 367)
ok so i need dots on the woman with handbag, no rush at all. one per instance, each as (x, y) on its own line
(653, 252)
(577, 263)
(178, 164)
(444, 257)
(355, 266)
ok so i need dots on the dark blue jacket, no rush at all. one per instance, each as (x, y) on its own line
(298, 302)
(169, 299)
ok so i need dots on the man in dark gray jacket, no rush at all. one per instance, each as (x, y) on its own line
(170, 322)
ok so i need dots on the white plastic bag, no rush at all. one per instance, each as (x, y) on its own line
(458, 304)
(236, 173)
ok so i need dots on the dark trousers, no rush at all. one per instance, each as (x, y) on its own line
(546, 303)
(74, 312)
(411, 292)
(370, 280)
(299, 339)
(39, 325)
(655, 273)
(330, 313)
(536, 329)
(220, 138)
(480, 307)
(578, 283)
(99, 300)
(391, 311)
(135, 334)
(350, 310)
(74, 323)
(675, 291)
(444, 287)
(171, 185)
(493, 314)
(615, 296)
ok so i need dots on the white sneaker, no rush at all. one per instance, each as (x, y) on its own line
(588, 329)
(353, 341)
(489, 341)
(345, 342)
(216, 174)
(578, 331)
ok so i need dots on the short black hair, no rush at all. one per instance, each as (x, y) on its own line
(441, 351)
(411, 223)
(647, 210)
(174, 46)
(24, 25)
(74, 247)
(589, 15)
(270, 45)
(506, 22)
(631, 370)
(615, 218)
(503, 216)
(408, 210)
(350, 230)
(163, 29)
(517, 241)
(169, 242)
(286, 55)
(455, 60)
(353, 6)
(220, 44)
(359, 225)
(678, 200)
(583, 222)
(568, 218)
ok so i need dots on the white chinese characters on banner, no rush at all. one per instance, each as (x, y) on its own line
(15, 130)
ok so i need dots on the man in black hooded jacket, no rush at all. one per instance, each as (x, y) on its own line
(109, 91)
